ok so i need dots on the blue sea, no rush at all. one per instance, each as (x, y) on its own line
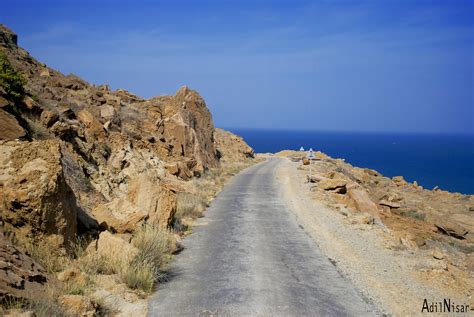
(446, 161)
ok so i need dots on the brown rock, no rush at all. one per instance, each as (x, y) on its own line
(35, 193)
(10, 128)
(20, 276)
(48, 118)
(78, 305)
(172, 168)
(363, 202)
(305, 161)
(31, 105)
(231, 145)
(44, 73)
(93, 126)
(188, 128)
(450, 228)
(399, 180)
(332, 184)
(437, 254)
(3, 102)
(115, 248)
(107, 112)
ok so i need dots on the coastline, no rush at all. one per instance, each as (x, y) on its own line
(430, 159)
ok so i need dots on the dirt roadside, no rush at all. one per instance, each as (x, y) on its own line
(365, 253)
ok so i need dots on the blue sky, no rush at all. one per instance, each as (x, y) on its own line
(316, 65)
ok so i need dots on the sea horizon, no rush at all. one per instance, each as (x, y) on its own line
(430, 159)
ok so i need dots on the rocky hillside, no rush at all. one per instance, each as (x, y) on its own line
(414, 218)
(77, 159)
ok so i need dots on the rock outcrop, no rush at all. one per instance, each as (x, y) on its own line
(231, 145)
(20, 275)
(80, 160)
(413, 213)
(35, 196)
(106, 160)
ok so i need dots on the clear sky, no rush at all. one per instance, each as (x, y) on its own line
(317, 65)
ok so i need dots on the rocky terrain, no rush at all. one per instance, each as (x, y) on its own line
(398, 241)
(83, 168)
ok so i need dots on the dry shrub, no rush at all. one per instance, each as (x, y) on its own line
(95, 263)
(139, 275)
(155, 246)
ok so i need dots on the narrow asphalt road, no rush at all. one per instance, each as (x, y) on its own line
(249, 257)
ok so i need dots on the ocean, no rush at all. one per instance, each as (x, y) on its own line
(446, 161)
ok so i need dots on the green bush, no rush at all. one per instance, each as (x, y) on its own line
(11, 81)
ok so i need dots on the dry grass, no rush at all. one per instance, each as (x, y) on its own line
(155, 246)
(46, 253)
(47, 306)
(190, 205)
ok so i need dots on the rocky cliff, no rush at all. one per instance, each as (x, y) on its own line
(77, 158)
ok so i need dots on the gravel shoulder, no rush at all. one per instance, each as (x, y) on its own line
(364, 253)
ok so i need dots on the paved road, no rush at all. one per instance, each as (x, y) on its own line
(249, 257)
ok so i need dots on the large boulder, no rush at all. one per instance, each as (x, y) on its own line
(10, 128)
(147, 198)
(362, 201)
(34, 191)
(187, 126)
(115, 248)
(333, 184)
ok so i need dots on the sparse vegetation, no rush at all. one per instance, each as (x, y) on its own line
(10, 80)
(413, 214)
(190, 205)
(46, 253)
(155, 246)
(47, 306)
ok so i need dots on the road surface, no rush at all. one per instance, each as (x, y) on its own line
(249, 257)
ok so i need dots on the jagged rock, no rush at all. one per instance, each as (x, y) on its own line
(449, 227)
(35, 193)
(189, 129)
(399, 180)
(332, 184)
(48, 118)
(3, 102)
(93, 126)
(315, 178)
(363, 202)
(10, 128)
(107, 112)
(20, 276)
(7, 37)
(231, 145)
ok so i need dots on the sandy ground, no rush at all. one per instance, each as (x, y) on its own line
(389, 276)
